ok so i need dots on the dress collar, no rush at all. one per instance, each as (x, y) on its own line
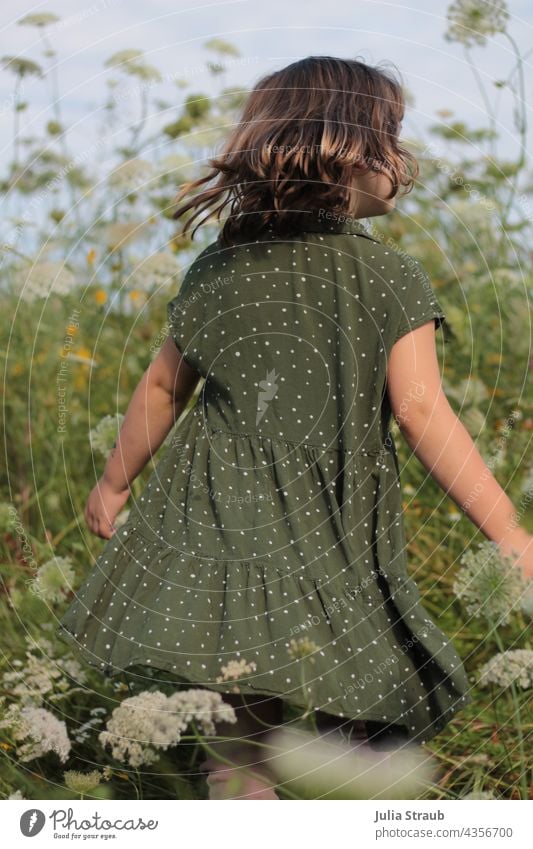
(325, 221)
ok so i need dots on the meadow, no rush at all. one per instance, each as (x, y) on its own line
(90, 257)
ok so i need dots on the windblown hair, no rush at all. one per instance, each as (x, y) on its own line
(306, 131)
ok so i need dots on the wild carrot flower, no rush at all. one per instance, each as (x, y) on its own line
(526, 601)
(236, 669)
(54, 579)
(120, 233)
(471, 21)
(131, 175)
(40, 279)
(38, 19)
(490, 585)
(145, 724)
(104, 435)
(42, 675)
(37, 731)
(508, 667)
(155, 271)
(303, 647)
(82, 782)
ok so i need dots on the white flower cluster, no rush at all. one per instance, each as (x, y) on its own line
(43, 278)
(236, 669)
(471, 21)
(42, 675)
(54, 579)
(469, 216)
(38, 731)
(490, 585)
(131, 175)
(144, 724)
(16, 795)
(82, 782)
(508, 667)
(155, 271)
(120, 233)
(104, 435)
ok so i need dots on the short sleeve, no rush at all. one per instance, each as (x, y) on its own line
(185, 313)
(417, 301)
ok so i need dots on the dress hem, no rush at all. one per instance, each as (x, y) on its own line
(110, 672)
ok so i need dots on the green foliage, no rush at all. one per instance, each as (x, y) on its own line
(77, 295)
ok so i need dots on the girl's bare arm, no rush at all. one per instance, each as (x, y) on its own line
(157, 402)
(444, 446)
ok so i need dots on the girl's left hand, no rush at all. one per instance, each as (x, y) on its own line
(102, 508)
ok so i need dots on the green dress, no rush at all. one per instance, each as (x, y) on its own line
(270, 532)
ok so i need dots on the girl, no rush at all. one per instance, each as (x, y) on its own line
(266, 556)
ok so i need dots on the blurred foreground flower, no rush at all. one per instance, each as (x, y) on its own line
(491, 585)
(54, 579)
(145, 724)
(320, 769)
(38, 730)
(104, 435)
(508, 667)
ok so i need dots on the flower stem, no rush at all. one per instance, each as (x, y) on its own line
(518, 722)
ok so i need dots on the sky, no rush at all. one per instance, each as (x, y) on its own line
(410, 35)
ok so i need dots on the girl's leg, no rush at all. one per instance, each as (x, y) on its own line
(384, 737)
(353, 732)
(374, 735)
(248, 776)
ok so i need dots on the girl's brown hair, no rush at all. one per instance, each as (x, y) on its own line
(306, 131)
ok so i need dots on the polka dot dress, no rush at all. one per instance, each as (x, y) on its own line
(270, 532)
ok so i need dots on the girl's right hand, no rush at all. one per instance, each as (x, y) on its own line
(103, 506)
(519, 546)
